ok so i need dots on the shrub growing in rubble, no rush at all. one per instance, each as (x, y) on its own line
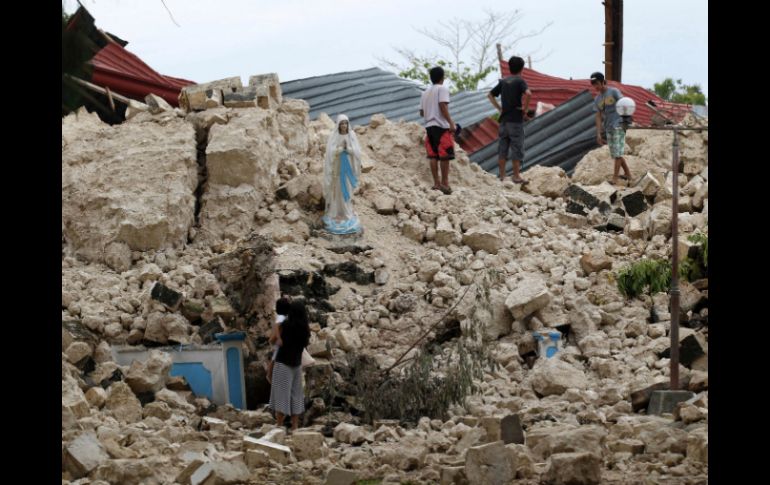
(652, 276)
(435, 378)
(647, 276)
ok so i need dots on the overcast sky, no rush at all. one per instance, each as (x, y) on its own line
(303, 38)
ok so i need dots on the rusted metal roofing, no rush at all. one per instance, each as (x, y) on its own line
(126, 74)
(120, 70)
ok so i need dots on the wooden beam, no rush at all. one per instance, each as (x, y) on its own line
(99, 89)
(618, 39)
(109, 98)
(107, 36)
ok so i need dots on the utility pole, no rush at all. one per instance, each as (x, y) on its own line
(613, 39)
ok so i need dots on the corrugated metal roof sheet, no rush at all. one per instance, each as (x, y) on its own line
(361, 94)
(478, 136)
(126, 74)
(358, 94)
(560, 137)
(554, 90)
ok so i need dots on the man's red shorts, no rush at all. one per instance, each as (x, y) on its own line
(439, 143)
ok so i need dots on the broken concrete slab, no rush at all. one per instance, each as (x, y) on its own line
(308, 445)
(168, 297)
(641, 398)
(628, 445)
(582, 200)
(193, 98)
(649, 185)
(634, 203)
(511, 430)
(489, 464)
(445, 232)
(271, 82)
(341, 476)
(692, 347)
(84, 454)
(278, 453)
(257, 458)
(123, 404)
(593, 263)
(529, 296)
(202, 474)
(228, 473)
(246, 98)
(544, 442)
(573, 469)
(384, 204)
(96, 397)
(453, 475)
(157, 104)
(214, 99)
(349, 433)
(483, 237)
(77, 351)
(664, 402)
(221, 307)
(134, 108)
(555, 376)
(150, 375)
(616, 222)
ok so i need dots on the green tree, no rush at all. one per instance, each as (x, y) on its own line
(677, 92)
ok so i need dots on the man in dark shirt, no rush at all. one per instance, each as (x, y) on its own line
(512, 117)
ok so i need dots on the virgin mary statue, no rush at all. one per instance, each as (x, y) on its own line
(342, 170)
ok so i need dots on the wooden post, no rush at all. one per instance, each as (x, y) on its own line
(608, 42)
(109, 97)
(500, 59)
(613, 39)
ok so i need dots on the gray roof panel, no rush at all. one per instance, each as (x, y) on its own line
(361, 94)
(560, 137)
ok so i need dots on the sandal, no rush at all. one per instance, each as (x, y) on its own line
(521, 181)
(436, 187)
(446, 190)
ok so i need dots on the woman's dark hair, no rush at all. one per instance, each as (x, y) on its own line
(282, 306)
(296, 330)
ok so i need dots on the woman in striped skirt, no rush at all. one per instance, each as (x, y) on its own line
(287, 397)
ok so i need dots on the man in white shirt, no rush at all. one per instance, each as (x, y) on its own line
(439, 142)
